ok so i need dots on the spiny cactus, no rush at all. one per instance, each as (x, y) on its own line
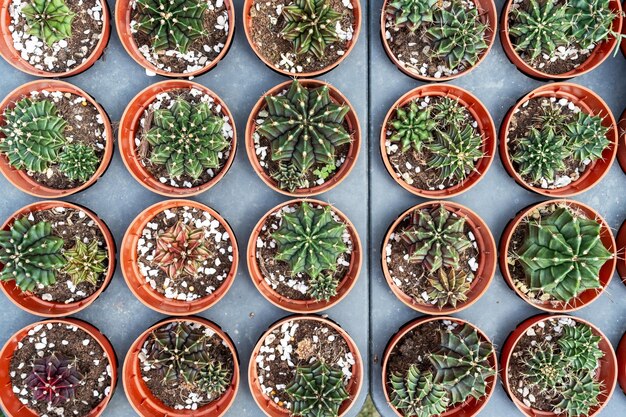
(171, 24)
(54, 379)
(551, 116)
(412, 127)
(323, 287)
(310, 240)
(579, 393)
(34, 134)
(592, 21)
(304, 126)
(317, 391)
(436, 238)
(49, 20)
(289, 177)
(448, 288)
(30, 254)
(214, 379)
(562, 255)
(78, 162)
(540, 154)
(411, 13)
(587, 137)
(580, 346)
(85, 262)
(449, 111)
(544, 367)
(310, 25)
(417, 395)
(455, 152)
(181, 249)
(186, 139)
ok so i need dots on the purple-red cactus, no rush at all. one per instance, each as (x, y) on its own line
(181, 249)
(54, 379)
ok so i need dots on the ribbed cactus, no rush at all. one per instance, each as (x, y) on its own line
(323, 287)
(592, 21)
(449, 111)
(289, 177)
(580, 346)
(579, 393)
(416, 395)
(551, 116)
(562, 255)
(455, 152)
(49, 20)
(310, 25)
(540, 154)
(411, 13)
(180, 250)
(214, 379)
(186, 139)
(54, 379)
(544, 367)
(78, 162)
(85, 262)
(586, 137)
(34, 134)
(317, 391)
(30, 254)
(412, 127)
(448, 288)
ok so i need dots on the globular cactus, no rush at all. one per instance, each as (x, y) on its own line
(551, 116)
(49, 20)
(544, 367)
(449, 111)
(186, 139)
(310, 25)
(323, 287)
(436, 238)
(586, 137)
(411, 13)
(579, 393)
(30, 254)
(180, 250)
(34, 134)
(85, 262)
(317, 391)
(54, 379)
(78, 162)
(540, 154)
(289, 177)
(455, 152)
(416, 395)
(310, 240)
(592, 21)
(580, 346)
(214, 379)
(448, 288)
(562, 255)
(412, 127)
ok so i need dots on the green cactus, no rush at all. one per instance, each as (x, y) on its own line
(214, 379)
(186, 139)
(411, 13)
(436, 238)
(323, 287)
(34, 134)
(580, 346)
(455, 152)
(412, 127)
(85, 262)
(310, 240)
(587, 137)
(562, 255)
(448, 289)
(592, 21)
(171, 24)
(30, 254)
(417, 395)
(449, 112)
(540, 154)
(289, 177)
(318, 390)
(310, 25)
(544, 367)
(579, 393)
(551, 116)
(78, 162)
(49, 20)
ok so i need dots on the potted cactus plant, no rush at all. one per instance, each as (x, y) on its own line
(563, 276)
(436, 41)
(303, 365)
(278, 132)
(559, 140)
(182, 367)
(439, 366)
(179, 257)
(163, 152)
(302, 38)
(439, 257)
(56, 258)
(176, 38)
(65, 365)
(558, 365)
(550, 39)
(437, 141)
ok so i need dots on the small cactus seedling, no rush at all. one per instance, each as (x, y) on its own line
(580, 346)
(54, 379)
(181, 249)
(412, 127)
(310, 25)
(78, 162)
(289, 177)
(449, 112)
(214, 379)
(323, 287)
(85, 262)
(540, 154)
(455, 152)
(417, 395)
(587, 137)
(579, 393)
(591, 21)
(448, 288)
(317, 391)
(49, 20)
(551, 116)
(544, 367)
(411, 13)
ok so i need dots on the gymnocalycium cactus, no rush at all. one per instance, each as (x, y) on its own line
(318, 390)
(323, 287)
(181, 249)
(412, 127)
(591, 21)
(49, 20)
(580, 346)
(544, 367)
(411, 13)
(310, 25)
(85, 262)
(579, 393)
(448, 288)
(540, 154)
(587, 137)
(449, 111)
(455, 152)
(78, 162)
(54, 379)
(416, 395)
(551, 116)
(289, 177)
(214, 379)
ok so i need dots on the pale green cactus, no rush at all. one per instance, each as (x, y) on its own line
(85, 262)
(78, 162)
(49, 20)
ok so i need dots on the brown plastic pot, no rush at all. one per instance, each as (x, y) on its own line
(597, 56)
(247, 26)
(129, 125)
(486, 267)
(479, 112)
(19, 178)
(304, 306)
(353, 152)
(32, 304)
(137, 282)
(488, 14)
(123, 11)
(8, 400)
(621, 252)
(587, 296)
(147, 404)
(621, 147)
(621, 363)
(268, 406)
(469, 408)
(606, 374)
(13, 57)
(590, 103)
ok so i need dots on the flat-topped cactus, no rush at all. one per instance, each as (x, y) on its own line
(317, 391)
(416, 395)
(49, 20)
(310, 25)
(85, 262)
(180, 250)
(54, 379)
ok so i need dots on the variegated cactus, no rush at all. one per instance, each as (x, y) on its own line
(181, 250)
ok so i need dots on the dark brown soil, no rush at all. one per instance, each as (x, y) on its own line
(91, 359)
(414, 349)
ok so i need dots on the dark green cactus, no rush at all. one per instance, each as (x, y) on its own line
(214, 379)
(323, 287)
(579, 393)
(551, 116)
(289, 177)
(592, 21)
(586, 137)
(78, 162)
(544, 367)
(411, 13)
(417, 395)
(310, 25)
(412, 127)
(449, 112)
(30, 254)
(85, 262)
(580, 346)
(49, 20)
(540, 154)
(448, 288)
(455, 152)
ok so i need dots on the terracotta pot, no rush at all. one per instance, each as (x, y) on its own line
(137, 282)
(8, 400)
(343, 171)
(129, 125)
(590, 103)
(469, 408)
(587, 296)
(486, 268)
(621, 252)
(622, 43)
(488, 15)
(147, 404)
(19, 178)
(123, 11)
(597, 56)
(621, 147)
(32, 304)
(247, 26)
(485, 127)
(268, 406)
(607, 372)
(13, 57)
(304, 306)
(621, 363)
